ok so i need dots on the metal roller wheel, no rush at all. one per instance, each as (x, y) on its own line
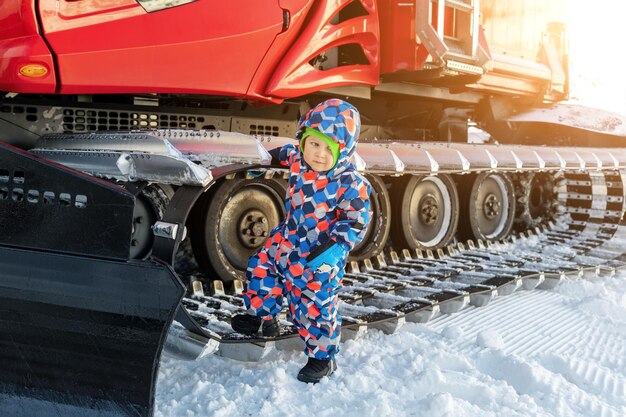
(232, 223)
(488, 201)
(378, 229)
(426, 210)
(536, 200)
(150, 205)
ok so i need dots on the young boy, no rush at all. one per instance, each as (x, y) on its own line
(304, 256)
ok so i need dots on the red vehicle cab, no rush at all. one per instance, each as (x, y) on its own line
(239, 48)
(266, 50)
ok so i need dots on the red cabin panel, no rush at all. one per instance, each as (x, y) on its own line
(204, 47)
(325, 30)
(397, 35)
(298, 11)
(401, 48)
(258, 49)
(20, 44)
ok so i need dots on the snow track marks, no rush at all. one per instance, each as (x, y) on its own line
(558, 347)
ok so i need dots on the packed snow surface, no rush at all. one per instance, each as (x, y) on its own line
(560, 352)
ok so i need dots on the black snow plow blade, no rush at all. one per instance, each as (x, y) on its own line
(81, 326)
(80, 336)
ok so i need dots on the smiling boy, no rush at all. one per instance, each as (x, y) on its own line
(304, 257)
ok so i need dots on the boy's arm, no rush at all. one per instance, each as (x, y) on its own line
(353, 217)
(283, 155)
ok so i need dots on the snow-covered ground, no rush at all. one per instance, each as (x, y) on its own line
(534, 353)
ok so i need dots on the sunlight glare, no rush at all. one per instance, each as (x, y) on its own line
(597, 31)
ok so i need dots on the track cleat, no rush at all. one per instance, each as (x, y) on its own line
(316, 369)
(250, 325)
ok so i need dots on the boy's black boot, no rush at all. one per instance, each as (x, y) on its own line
(316, 369)
(270, 328)
(249, 325)
(245, 324)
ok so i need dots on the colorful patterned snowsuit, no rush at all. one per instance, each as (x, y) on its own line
(323, 208)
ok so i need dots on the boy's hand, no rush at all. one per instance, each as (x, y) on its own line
(327, 259)
(275, 153)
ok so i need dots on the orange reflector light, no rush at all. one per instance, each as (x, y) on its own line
(33, 70)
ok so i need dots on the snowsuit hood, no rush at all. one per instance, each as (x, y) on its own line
(337, 119)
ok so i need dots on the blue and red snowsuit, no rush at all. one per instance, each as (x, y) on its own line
(324, 209)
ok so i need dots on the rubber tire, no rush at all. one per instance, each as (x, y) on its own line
(468, 186)
(208, 215)
(378, 229)
(151, 203)
(402, 232)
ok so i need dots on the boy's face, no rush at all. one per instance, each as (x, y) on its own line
(317, 154)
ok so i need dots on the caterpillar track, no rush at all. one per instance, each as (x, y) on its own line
(527, 188)
(428, 198)
(415, 287)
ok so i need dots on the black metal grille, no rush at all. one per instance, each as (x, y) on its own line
(45, 206)
(264, 130)
(14, 188)
(81, 120)
(28, 113)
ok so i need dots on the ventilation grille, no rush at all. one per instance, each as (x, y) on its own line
(14, 187)
(264, 130)
(30, 114)
(93, 120)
